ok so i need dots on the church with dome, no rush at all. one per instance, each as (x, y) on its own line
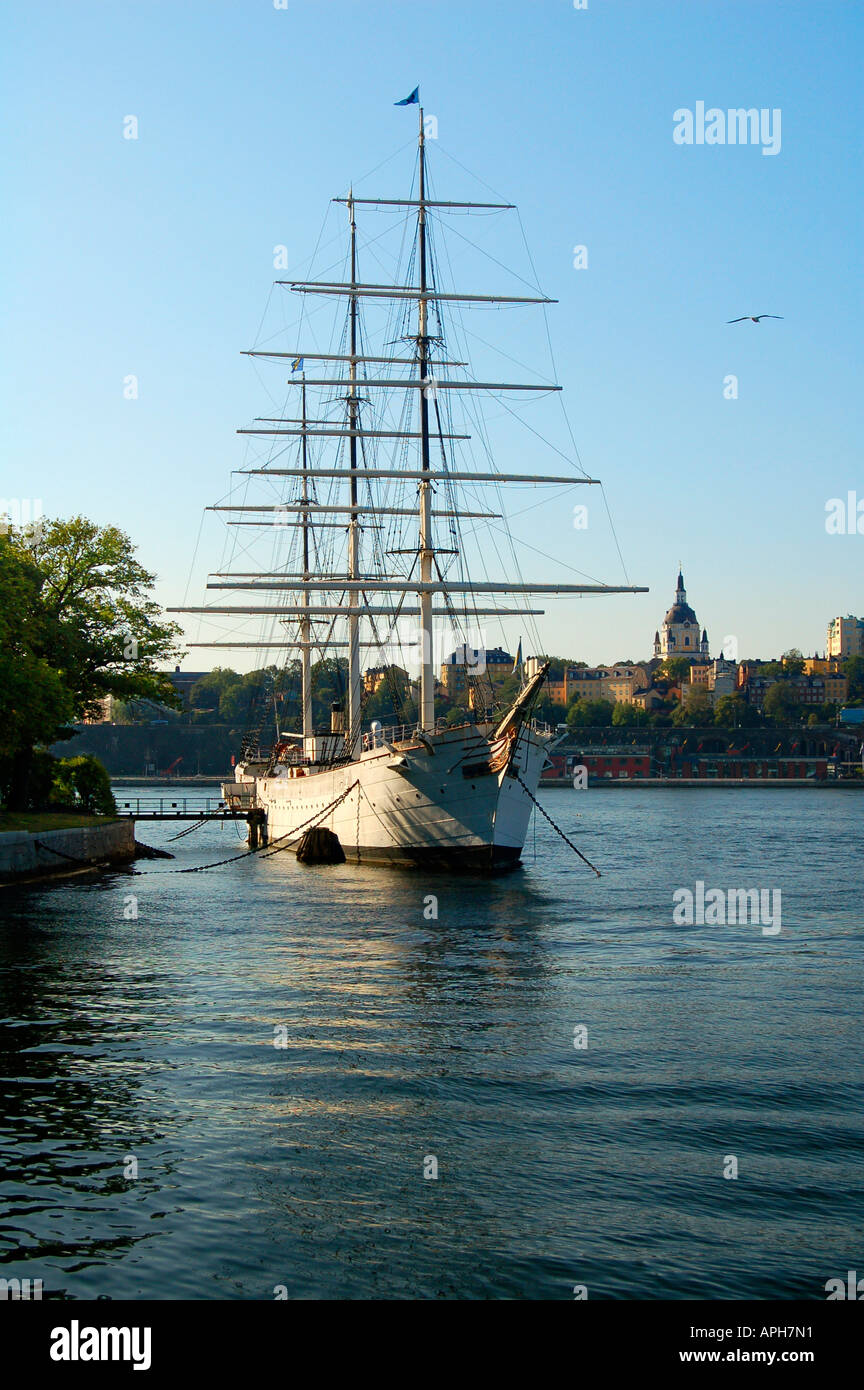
(679, 634)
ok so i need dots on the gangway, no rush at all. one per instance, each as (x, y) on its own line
(163, 808)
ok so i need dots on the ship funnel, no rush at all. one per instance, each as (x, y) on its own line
(337, 717)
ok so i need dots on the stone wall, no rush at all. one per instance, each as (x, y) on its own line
(26, 855)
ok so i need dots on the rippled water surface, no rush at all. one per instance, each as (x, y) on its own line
(408, 1038)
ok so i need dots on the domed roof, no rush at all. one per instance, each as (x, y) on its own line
(680, 613)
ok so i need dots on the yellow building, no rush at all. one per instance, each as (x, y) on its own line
(467, 665)
(823, 666)
(616, 683)
(374, 678)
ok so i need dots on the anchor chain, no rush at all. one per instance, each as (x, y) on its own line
(264, 850)
(557, 829)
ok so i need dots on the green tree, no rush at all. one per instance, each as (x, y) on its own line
(76, 624)
(625, 715)
(853, 668)
(732, 712)
(97, 622)
(82, 784)
(247, 697)
(584, 714)
(790, 665)
(661, 717)
(206, 694)
(558, 664)
(781, 704)
(392, 702)
(34, 702)
(674, 669)
(697, 712)
(793, 662)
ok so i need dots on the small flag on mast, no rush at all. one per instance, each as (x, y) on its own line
(517, 664)
(297, 364)
(413, 100)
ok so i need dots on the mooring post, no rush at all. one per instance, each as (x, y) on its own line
(252, 822)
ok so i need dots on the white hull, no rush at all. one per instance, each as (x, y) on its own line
(414, 804)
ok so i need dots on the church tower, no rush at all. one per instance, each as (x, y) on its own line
(679, 634)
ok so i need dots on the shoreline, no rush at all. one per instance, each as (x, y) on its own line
(41, 855)
(712, 783)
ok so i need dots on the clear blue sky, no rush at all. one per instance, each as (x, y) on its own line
(154, 257)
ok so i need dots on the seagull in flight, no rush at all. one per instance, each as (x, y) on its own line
(754, 318)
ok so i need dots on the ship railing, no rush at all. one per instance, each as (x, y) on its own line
(400, 733)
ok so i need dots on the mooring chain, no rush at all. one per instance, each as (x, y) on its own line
(272, 848)
(275, 847)
(556, 828)
(188, 831)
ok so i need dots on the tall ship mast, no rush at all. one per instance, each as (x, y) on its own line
(376, 560)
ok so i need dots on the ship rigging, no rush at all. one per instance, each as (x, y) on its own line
(387, 587)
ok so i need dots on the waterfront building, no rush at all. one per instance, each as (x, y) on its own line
(846, 637)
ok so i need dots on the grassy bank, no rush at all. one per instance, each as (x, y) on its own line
(36, 821)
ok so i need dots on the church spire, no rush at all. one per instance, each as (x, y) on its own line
(680, 633)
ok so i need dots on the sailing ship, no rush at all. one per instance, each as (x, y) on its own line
(427, 792)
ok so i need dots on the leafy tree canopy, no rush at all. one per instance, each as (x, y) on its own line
(584, 714)
(92, 617)
(696, 712)
(731, 712)
(674, 669)
(793, 662)
(629, 716)
(77, 623)
(781, 704)
(854, 669)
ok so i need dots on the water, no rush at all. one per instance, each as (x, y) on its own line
(410, 1038)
